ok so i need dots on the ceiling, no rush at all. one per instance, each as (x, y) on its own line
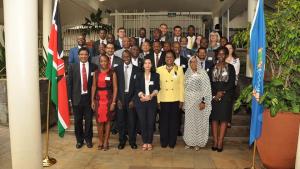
(160, 5)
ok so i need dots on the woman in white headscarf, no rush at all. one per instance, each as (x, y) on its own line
(197, 105)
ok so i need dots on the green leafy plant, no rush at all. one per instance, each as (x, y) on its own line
(282, 89)
(94, 22)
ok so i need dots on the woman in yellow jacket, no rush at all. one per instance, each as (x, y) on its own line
(170, 99)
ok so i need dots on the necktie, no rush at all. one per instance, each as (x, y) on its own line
(126, 77)
(201, 65)
(84, 78)
(156, 57)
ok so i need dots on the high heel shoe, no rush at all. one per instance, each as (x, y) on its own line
(214, 148)
(144, 147)
(220, 149)
(106, 147)
(150, 147)
(100, 147)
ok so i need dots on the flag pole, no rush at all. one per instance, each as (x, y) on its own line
(48, 161)
(253, 157)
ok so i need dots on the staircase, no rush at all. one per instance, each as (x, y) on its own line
(238, 133)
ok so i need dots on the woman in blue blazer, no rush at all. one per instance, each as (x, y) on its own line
(146, 89)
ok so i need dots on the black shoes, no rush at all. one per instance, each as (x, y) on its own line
(89, 145)
(79, 145)
(121, 146)
(133, 146)
(214, 148)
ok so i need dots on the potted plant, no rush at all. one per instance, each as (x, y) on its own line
(94, 23)
(278, 142)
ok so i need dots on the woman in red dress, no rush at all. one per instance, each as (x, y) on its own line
(104, 93)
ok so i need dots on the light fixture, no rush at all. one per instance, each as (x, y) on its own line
(101, 0)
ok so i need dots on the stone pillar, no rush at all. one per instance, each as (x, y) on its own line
(251, 13)
(21, 45)
(47, 17)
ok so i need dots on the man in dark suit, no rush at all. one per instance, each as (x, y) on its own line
(119, 42)
(102, 40)
(183, 62)
(114, 60)
(156, 36)
(158, 56)
(142, 37)
(177, 31)
(180, 60)
(126, 117)
(101, 51)
(206, 63)
(135, 60)
(145, 49)
(80, 79)
(73, 53)
(185, 52)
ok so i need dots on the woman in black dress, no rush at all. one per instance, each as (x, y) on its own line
(222, 78)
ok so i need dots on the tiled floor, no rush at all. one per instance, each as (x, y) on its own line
(234, 156)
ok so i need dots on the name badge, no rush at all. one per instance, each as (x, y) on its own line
(188, 56)
(115, 65)
(134, 77)
(151, 83)
(209, 58)
(224, 74)
(92, 74)
(183, 66)
(107, 78)
(207, 70)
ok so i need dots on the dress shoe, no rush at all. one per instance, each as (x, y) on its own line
(121, 146)
(89, 145)
(133, 146)
(114, 131)
(79, 145)
(219, 149)
(214, 148)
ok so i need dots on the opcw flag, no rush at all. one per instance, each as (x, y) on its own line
(55, 72)
(258, 57)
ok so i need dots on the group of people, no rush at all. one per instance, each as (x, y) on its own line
(129, 82)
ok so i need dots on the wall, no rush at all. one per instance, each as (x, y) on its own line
(240, 21)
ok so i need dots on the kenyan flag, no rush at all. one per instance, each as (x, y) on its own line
(55, 72)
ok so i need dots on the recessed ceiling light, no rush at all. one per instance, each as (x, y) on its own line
(101, 0)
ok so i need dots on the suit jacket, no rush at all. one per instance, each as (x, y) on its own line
(137, 41)
(187, 53)
(171, 84)
(73, 55)
(96, 47)
(209, 65)
(184, 63)
(121, 82)
(140, 87)
(140, 63)
(74, 82)
(142, 55)
(117, 45)
(167, 37)
(161, 60)
(116, 62)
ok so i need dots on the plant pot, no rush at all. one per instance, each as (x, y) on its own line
(278, 142)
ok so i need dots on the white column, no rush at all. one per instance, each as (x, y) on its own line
(215, 22)
(21, 45)
(251, 12)
(47, 15)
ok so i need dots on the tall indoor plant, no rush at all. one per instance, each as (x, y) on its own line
(281, 97)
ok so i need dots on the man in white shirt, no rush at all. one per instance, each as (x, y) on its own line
(135, 60)
(114, 60)
(145, 49)
(126, 116)
(80, 79)
(164, 33)
(191, 36)
(102, 40)
(121, 34)
(142, 37)
(177, 30)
